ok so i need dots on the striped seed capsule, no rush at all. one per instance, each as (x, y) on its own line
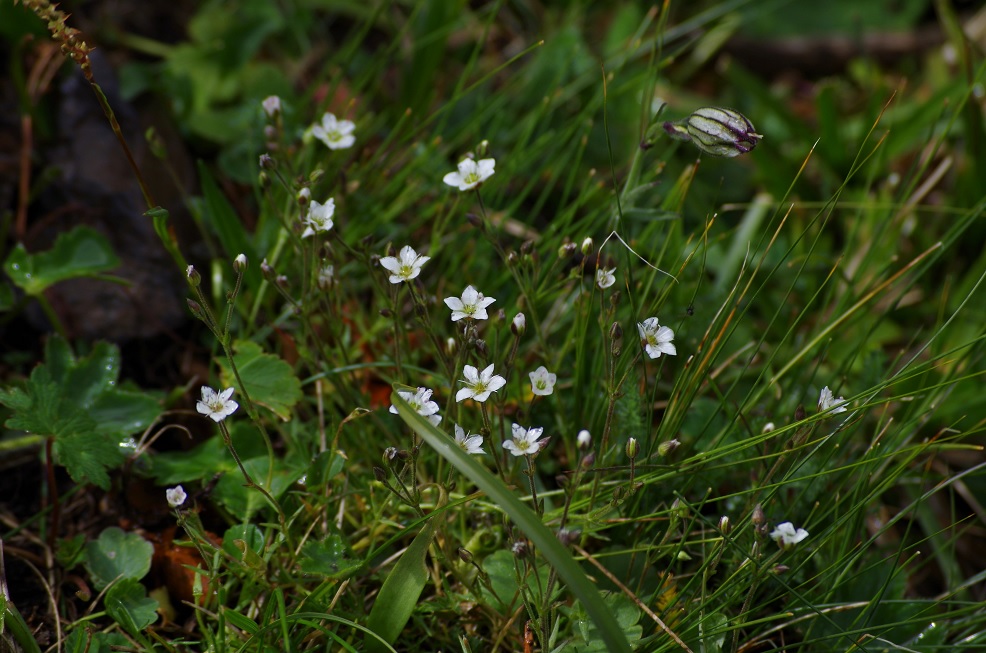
(716, 131)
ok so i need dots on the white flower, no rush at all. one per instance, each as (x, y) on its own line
(584, 439)
(542, 381)
(325, 276)
(175, 496)
(605, 277)
(472, 305)
(470, 173)
(319, 218)
(469, 442)
(827, 401)
(336, 134)
(421, 402)
(657, 339)
(218, 406)
(785, 535)
(407, 267)
(479, 385)
(519, 324)
(524, 442)
(272, 105)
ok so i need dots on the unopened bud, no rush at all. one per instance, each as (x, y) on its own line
(465, 555)
(584, 439)
(800, 413)
(616, 338)
(240, 262)
(724, 525)
(196, 309)
(759, 521)
(632, 449)
(777, 570)
(667, 447)
(567, 537)
(716, 131)
(483, 150)
(587, 246)
(266, 163)
(450, 346)
(304, 196)
(519, 324)
(389, 454)
(267, 271)
(482, 349)
(193, 276)
(380, 474)
(511, 258)
(519, 548)
(566, 250)
(679, 509)
(588, 460)
(768, 427)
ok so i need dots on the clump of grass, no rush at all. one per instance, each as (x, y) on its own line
(494, 399)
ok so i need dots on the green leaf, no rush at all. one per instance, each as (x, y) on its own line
(81, 252)
(627, 615)
(83, 640)
(222, 217)
(401, 590)
(331, 558)
(117, 554)
(71, 551)
(546, 542)
(210, 457)
(11, 621)
(242, 501)
(245, 542)
(127, 602)
(269, 380)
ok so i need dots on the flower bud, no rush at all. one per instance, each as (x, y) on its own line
(304, 196)
(450, 346)
(193, 276)
(240, 263)
(566, 250)
(584, 439)
(587, 246)
(389, 454)
(380, 474)
(632, 449)
(271, 105)
(464, 555)
(768, 427)
(196, 309)
(679, 509)
(266, 163)
(588, 460)
(616, 338)
(519, 324)
(724, 525)
(716, 131)
(667, 447)
(482, 349)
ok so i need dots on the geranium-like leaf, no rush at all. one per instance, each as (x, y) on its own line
(81, 252)
(127, 602)
(117, 554)
(331, 558)
(268, 379)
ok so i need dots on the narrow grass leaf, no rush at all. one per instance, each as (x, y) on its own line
(545, 541)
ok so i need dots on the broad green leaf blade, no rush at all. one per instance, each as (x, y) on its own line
(81, 252)
(117, 554)
(331, 558)
(127, 602)
(270, 381)
(11, 621)
(401, 590)
(91, 376)
(546, 542)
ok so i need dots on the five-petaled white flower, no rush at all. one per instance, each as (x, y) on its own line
(319, 218)
(421, 402)
(175, 496)
(525, 441)
(786, 535)
(470, 173)
(405, 268)
(218, 406)
(479, 385)
(827, 401)
(472, 305)
(605, 277)
(657, 339)
(469, 442)
(542, 381)
(336, 134)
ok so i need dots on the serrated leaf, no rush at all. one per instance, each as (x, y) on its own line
(123, 412)
(270, 381)
(117, 554)
(210, 457)
(90, 376)
(82, 640)
(128, 604)
(81, 252)
(86, 453)
(331, 558)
